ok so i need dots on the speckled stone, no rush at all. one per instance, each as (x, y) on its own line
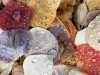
(93, 4)
(93, 33)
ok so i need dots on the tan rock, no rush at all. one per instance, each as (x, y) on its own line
(5, 2)
(24, 1)
(44, 11)
(93, 4)
(5, 68)
(18, 70)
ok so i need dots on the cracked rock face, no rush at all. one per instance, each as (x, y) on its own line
(43, 42)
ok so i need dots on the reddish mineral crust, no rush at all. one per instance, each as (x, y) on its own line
(88, 59)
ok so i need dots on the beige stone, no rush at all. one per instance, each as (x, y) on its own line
(44, 11)
(93, 33)
(93, 4)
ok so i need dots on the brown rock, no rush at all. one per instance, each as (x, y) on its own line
(66, 48)
(17, 70)
(66, 8)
